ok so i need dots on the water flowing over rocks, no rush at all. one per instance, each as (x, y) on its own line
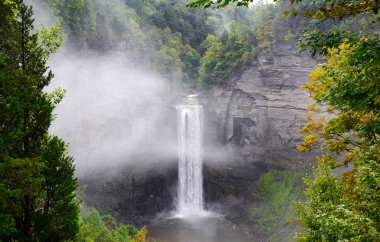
(190, 151)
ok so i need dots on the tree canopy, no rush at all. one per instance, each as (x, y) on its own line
(322, 9)
(345, 207)
(97, 227)
(37, 184)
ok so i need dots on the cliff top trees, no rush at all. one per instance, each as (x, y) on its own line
(224, 54)
(36, 176)
(323, 9)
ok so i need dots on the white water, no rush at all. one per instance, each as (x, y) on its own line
(190, 152)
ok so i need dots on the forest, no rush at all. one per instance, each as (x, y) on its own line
(196, 46)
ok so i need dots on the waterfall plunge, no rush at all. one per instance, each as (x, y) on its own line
(190, 152)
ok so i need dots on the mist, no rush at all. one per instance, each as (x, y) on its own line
(112, 112)
(116, 112)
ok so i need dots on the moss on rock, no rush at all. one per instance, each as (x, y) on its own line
(278, 189)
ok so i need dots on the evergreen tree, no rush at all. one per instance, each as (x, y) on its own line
(36, 176)
(59, 218)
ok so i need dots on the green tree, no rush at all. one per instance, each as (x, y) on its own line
(342, 208)
(32, 164)
(58, 219)
(80, 21)
(210, 71)
(323, 9)
(21, 191)
(263, 25)
(345, 207)
(96, 227)
(223, 55)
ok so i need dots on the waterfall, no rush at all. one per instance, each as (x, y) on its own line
(190, 152)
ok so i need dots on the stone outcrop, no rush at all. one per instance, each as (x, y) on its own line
(262, 108)
(257, 116)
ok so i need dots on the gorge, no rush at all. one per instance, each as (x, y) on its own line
(124, 130)
(251, 127)
(162, 121)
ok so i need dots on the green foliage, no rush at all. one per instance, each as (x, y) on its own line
(21, 191)
(212, 70)
(331, 30)
(348, 82)
(59, 186)
(319, 42)
(218, 3)
(161, 34)
(168, 58)
(79, 19)
(36, 176)
(50, 39)
(331, 9)
(279, 188)
(345, 207)
(222, 55)
(323, 9)
(320, 19)
(350, 78)
(96, 227)
(262, 24)
(170, 38)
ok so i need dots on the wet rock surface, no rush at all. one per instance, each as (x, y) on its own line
(135, 195)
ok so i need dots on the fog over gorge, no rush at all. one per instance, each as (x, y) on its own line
(115, 110)
(111, 111)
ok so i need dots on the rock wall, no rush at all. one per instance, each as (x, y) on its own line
(257, 116)
(262, 108)
(135, 194)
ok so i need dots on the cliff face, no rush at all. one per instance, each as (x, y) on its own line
(262, 109)
(258, 117)
(134, 194)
